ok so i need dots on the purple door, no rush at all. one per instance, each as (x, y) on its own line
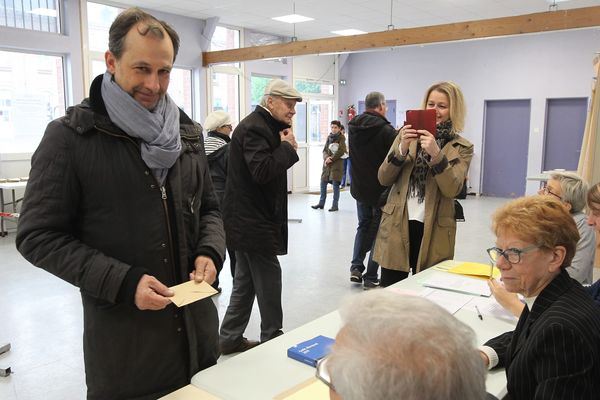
(505, 144)
(565, 124)
(390, 113)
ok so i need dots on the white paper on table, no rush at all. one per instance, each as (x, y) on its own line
(459, 283)
(450, 301)
(489, 307)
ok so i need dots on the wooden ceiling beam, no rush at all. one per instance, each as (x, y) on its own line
(539, 22)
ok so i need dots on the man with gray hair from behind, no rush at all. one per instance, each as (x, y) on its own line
(394, 346)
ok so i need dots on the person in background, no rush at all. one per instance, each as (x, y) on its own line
(370, 136)
(571, 190)
(572, 184)
(333, 165)
(418, 226)
(346, 175)
(219, 128)
(593, 208)
(392, 346)
(262, 149)
(554, 351)
(120, 204)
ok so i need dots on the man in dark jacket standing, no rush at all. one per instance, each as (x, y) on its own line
(370, 138)
(120, 204)
(262, 149)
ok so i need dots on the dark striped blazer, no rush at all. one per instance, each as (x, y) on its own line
(554, 352)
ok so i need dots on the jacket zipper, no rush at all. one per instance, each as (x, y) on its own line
(163, 195)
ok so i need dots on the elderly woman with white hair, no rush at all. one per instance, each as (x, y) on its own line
(219, 127)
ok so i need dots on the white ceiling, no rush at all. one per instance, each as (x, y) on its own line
(365, 15)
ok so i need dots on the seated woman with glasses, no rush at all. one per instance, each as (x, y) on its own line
(554, 351)
(571, 190)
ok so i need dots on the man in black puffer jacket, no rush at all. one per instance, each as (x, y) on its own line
(120, 204)
(370, 138)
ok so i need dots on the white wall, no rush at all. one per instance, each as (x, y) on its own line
(536, 67)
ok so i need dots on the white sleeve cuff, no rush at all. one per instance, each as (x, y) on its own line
(491, 354)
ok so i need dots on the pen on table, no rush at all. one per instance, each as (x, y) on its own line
(479, 313)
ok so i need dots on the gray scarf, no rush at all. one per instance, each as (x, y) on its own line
(158, 129)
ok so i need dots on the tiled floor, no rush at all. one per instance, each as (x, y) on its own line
(41, 316)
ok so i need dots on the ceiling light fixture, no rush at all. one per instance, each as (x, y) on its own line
(349, 32)
(293, 18)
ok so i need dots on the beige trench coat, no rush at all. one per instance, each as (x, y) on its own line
(391, 246)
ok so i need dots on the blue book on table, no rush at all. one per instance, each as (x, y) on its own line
(311, 351)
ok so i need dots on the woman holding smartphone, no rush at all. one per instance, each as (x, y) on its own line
(426, 172)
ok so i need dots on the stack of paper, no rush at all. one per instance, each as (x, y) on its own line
(459, 283)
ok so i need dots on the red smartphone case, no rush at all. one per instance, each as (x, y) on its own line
(422, 119)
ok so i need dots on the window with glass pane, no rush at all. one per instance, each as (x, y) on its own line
(99, 18)
(225, 39)
(319, 119)
(180, 88)
(226, 93)
(305, 86)
(31, 95)
(300, 130)
(98, 68)
(258, 83)
(37, 15)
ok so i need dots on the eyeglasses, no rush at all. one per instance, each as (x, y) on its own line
(547, 191)
(227, 126)
(513, 256)
(322, 374)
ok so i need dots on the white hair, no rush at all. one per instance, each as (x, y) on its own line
(393, 346)
(264, 99)
(573, 188)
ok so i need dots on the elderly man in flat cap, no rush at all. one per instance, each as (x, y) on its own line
(262, 149)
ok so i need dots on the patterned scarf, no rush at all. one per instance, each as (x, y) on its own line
(416, 185)
(158, 129)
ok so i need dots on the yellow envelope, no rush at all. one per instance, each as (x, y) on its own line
(190, 392)
(190, 292)
(475, 269)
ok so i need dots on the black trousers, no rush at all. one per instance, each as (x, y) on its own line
(256, 275)
(415, 237)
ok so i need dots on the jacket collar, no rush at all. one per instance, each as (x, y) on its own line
(559, 285)
(275, 125)
(219, 135)
(376, 114)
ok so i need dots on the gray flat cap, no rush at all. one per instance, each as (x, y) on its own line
(278, 87)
